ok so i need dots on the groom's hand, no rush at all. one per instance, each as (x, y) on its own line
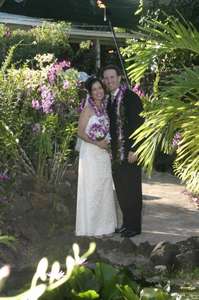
(132, 157)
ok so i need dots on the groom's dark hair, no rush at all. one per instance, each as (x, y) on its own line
(110, 67)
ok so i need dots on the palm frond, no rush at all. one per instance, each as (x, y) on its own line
(8, 240)
(174, 34)
(182, 86)
(164, 38)
(177, 106)
(187, 161)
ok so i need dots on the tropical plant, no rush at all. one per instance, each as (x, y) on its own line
(81, 281)
(8, 240)
(173, 106)
(38, 111)
(44, 281)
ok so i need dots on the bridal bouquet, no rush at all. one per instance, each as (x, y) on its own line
(98, 130)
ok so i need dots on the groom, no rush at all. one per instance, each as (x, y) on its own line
(123, 108)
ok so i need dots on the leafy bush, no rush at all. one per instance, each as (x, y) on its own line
(38, 116)
(47, 38)
(173, 107)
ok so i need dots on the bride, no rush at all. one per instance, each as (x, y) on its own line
(95, 214)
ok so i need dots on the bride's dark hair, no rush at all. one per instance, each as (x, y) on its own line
(92, 80)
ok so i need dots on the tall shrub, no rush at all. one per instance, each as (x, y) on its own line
(172, 111)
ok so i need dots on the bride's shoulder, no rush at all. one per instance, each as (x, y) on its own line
(87, 110)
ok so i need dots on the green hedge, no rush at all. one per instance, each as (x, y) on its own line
(48, 38)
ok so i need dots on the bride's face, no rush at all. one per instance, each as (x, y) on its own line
(97, 91)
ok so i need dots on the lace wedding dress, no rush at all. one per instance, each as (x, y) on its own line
(96, 213)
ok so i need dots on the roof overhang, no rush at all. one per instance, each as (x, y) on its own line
(76, 35)
(121, 13)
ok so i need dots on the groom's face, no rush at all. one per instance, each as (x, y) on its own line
(111, 79)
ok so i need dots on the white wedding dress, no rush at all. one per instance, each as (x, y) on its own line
(96, 212)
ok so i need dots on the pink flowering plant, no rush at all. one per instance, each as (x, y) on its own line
(39, 116)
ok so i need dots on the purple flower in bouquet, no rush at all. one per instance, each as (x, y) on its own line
(35, 104)
(176, 139)
(97, 132)
(98, 129)
(137, 90)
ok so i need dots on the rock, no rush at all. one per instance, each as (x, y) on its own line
(191, 243)
(164, 253)
(115, 257)
(188, 260)
(124, 246)
(145, 248)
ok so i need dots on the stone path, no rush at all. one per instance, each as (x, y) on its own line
(168, 213)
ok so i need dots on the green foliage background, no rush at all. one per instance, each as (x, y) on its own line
(169, 50)
(48, 38)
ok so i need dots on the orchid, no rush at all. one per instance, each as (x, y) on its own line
(42, 102)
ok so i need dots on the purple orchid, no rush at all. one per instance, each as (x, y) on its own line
(35, 104)
(47, 99)
(66, 84)
(56, 68)
(176, 139)
(137, 90)
(4, 177)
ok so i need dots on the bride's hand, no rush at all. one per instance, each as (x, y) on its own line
(102, 144)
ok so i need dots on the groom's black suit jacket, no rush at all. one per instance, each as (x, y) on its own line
(130, 109)
(127, 177)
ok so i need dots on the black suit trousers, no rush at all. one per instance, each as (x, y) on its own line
(127, 181)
